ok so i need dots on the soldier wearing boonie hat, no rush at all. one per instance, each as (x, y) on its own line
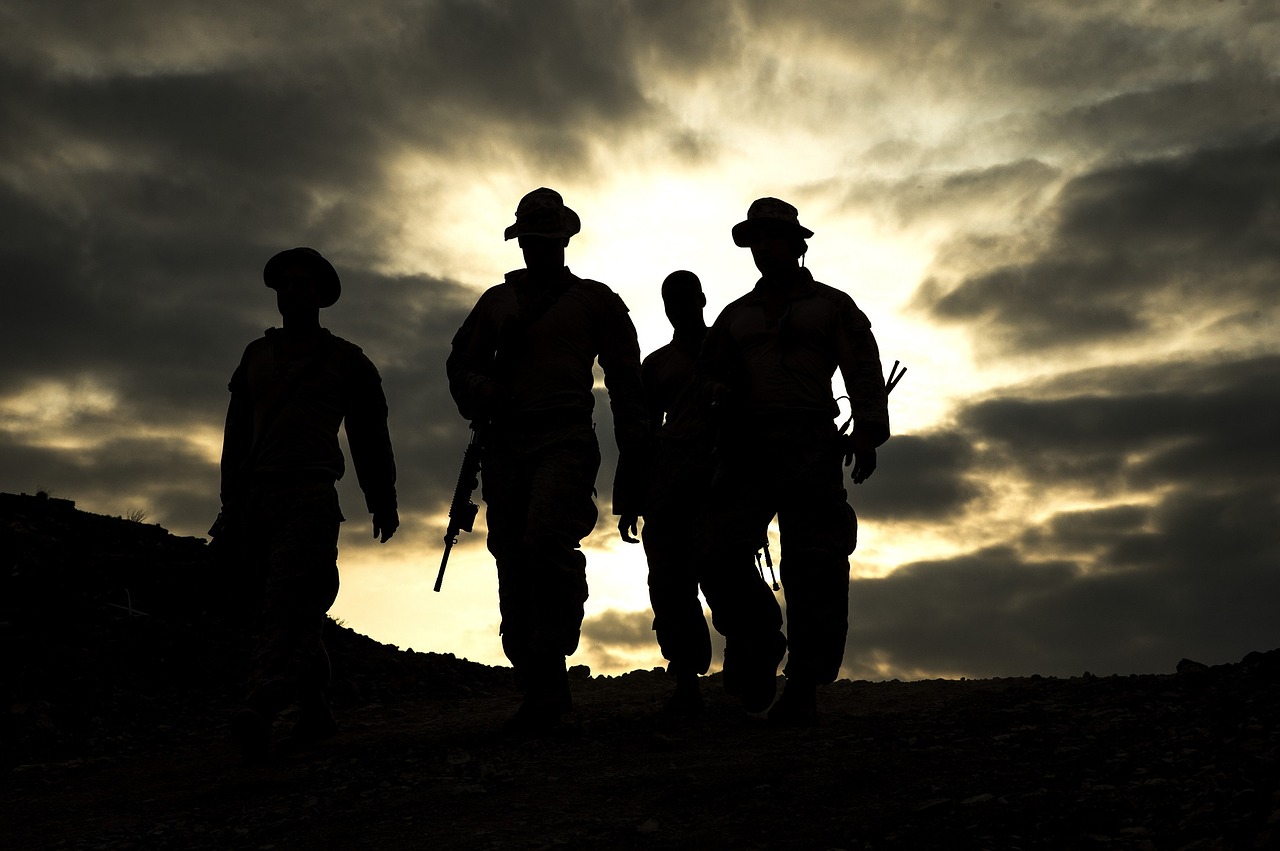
(543, 213)
(280, 516)
(771, 356)
(769, 216)
(308, 263)
(521, 371)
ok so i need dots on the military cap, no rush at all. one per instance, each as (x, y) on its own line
(542, 213)
(772, 214)
(325, 276)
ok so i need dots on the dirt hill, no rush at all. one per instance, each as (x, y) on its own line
(123, 650)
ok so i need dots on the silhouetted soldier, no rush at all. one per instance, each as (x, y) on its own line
(680, 470)
(280, 460)
(521, 366)
(775, 351)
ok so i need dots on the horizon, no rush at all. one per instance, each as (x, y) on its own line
(1065, 222)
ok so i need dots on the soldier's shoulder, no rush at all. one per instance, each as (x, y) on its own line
(831, 293)
(844, 303)
(260, 345)
(349, 353)
(591, 285)
(342, 344)
(498, 290)
(658, 355)
(741, 302)
(599, 293)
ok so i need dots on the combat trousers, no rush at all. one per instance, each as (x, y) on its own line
(293, 550)
(540, 491)
(797, 476)
(675, 544)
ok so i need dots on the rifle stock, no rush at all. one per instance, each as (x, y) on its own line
(462, 511)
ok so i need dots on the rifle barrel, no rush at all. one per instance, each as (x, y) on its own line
(448, 545)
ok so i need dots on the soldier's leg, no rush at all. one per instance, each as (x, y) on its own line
(542, 574)
(289, 661)
(506, 494)
(743, 607)
(674, 547)
(562, 511)
(816, 542)
(296, 536)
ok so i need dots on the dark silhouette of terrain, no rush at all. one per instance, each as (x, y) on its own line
(122, 663)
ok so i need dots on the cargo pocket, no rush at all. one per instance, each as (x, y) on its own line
(850, 529)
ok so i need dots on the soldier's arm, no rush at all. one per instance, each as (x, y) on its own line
(863, 374)
(628, 523)
(370, 440)
(619, 354)
(237, 436)
(477, 394)
(718, 368)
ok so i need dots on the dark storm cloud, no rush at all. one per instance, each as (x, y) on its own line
(1202, 425)
(1182, 563)
(929, 476)
(164, 477)
(1232, 103)
(633, 632)
(1198, 580)
(1131, 247)
(985, 199)
(330, 95)
(996, 192)
(1013, 53)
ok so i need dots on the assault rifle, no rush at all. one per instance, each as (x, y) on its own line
(462, 511)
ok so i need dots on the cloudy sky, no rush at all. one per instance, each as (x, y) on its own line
(1064, 218)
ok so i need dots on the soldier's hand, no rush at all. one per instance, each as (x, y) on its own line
(864, 464)
(385, 524)
(627, 528)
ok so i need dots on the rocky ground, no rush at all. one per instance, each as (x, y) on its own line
(115, 737)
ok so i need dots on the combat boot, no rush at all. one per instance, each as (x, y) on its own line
(251, 731)
(546, 699)
(751, 670)
(686, 701)
(314, 724)
(798, 705)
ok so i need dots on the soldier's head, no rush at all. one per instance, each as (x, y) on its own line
(683, 299)
(543, 228)
(303, 280)
(773, 232)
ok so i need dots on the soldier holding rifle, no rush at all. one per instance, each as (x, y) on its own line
(521, 364)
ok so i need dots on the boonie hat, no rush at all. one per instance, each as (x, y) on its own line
(542, 213)
(768, 213)
(326, 277)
